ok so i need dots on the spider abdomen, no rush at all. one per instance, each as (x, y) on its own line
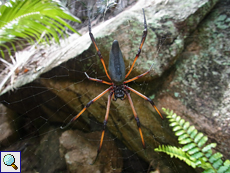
(116, 64)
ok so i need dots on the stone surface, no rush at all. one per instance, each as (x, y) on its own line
(198, 88)
(80, 152)
(190, 76)
(166, 21)
(7, 126)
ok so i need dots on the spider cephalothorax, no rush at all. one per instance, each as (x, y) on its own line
(117, 77)
(118, 92)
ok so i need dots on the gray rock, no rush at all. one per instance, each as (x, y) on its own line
(190, 75)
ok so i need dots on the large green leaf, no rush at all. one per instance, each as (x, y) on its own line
(28, 19)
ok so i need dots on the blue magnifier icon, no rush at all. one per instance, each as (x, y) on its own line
(9, 160)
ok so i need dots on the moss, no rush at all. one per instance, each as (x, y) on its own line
(176, 94)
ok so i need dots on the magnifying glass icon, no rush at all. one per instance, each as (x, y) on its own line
(9, 160)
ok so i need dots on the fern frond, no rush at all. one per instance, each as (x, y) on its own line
(176, 152)
(194, 151)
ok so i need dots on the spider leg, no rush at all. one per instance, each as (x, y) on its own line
(98, 80)
(98, 51)
(136, 118)
(104, 125)
(137, 77)
(140, 47)
(146, 98)
(86, 106)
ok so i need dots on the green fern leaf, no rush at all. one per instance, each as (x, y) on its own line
(209, 153)
(203, 159)
(185, 141)
(174, 115)
(227, 163)
(178, 118)
(209, 171)
(198, 137)
(176, 128)
(190, 129)
(176, 152)
(193, 133)
(180, 132)
(197, 155)
(181, 137)
(181, 122)
(194, 150)
(202, 141)
(215, 157)
(222, 169)
(173, 123)
(205, 165)
(208, 147)
(188, 146)
(186, 125)
(217, 163)
(225, 168)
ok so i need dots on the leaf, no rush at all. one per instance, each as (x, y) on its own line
(188, 147)
(209, 153)
(193, 133)
(225, 168)
(215, 157)
(180, 132)
(208, 147)
(174, 116)
(193, 150)
(190, 129)
(227, 163)
(178, 118)
(185, 141)
(222, 169)
(181, 137)
(176, 152)
(202, 141)
(205, 165)
(181, 122)
(176, 128)
(217, 163)
(173, 124)
(197, 155)
(209, 171)
(198, 137)
(28, 19)
(186, 125)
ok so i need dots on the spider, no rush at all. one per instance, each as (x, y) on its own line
(117, 88)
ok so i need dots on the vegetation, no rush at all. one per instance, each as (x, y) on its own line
(32, 20)
(194, 151)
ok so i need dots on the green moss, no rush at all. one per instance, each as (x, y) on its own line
(176, 94)
(221, 17)
(222, 26)
(152, 96)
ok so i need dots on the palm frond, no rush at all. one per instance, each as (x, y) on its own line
(28, 19)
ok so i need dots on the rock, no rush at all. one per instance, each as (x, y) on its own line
(47, 152)
(190, 75)
(201, 79)
(8, 126)
(80, 151)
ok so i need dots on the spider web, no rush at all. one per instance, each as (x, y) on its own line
(40, 139)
